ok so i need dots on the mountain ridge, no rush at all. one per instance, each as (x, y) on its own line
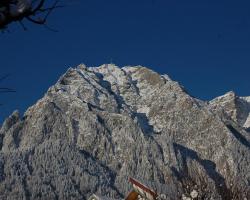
(113, 123)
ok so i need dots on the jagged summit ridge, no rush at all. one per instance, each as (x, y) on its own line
(238, 108)
(97, 126)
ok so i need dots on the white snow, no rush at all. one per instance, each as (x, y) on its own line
(144, 109)
(222, 101)
(111, 72)
(247, 123)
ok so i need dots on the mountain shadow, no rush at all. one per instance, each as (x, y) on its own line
(208, 166)
(239, 137)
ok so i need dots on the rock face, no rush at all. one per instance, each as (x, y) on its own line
(237, 108)
(98, 126)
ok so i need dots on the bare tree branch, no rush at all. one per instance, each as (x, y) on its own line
(4, 77)
(5, 89)
(35, 11)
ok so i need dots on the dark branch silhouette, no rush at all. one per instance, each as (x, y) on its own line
(5, 89)
(35, 11)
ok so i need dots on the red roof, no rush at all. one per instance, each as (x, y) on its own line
(143, 187)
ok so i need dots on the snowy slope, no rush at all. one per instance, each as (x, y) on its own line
(98, 126)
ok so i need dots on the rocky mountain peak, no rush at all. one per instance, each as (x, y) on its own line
(98, 126)
(238, 108)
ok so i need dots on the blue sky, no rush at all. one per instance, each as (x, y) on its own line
(205, 45)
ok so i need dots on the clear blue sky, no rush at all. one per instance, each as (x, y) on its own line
(203, 44)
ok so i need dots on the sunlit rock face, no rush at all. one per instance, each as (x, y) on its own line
(98, 126)
(235, 107)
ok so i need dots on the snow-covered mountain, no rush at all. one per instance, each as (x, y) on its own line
(238, 108)
(98, 126)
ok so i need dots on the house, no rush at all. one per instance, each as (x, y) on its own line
(139, 192)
